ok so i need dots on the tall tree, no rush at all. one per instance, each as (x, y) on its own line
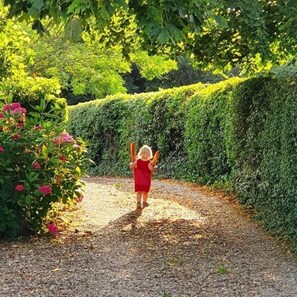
(217, 32)
(91, 66)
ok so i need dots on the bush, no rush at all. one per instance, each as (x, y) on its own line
(265, 129)
(108, 126)
(240, 135)
(29, 92)
(40, 164)
(206, 133)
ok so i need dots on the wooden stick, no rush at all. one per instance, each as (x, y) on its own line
(132, 151)
(156, 158)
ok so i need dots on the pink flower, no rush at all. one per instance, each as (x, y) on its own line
(63, 138)
(15, 108)
(20, 125)
(2, 149)
(52, 228)
(46, 190)
(36, 165)
(6, 107)
(20, 110)
(19, 188)
(15, 105)
(1, 115)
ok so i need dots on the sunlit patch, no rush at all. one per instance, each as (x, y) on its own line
(271, 276)
(171, 220)
(165, 209)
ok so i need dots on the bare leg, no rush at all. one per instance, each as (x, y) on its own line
(138, 199)
(145, 196)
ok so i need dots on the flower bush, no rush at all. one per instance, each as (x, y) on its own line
(40, 164)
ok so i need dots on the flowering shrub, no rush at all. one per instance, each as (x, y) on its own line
(52, 228)
(40, 164)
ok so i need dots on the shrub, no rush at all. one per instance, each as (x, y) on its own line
(40, 164)
(109, 125)
(206, 132)
(265, 137)
(239, 135)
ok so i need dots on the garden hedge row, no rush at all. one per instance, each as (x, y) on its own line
(241, 135)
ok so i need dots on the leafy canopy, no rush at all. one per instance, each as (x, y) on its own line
(217, 32)
(92, 64)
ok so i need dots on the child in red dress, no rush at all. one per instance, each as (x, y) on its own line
(142, 168)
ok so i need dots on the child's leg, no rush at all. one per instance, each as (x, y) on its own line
(138, 199)
(138, 196)
(145, 196)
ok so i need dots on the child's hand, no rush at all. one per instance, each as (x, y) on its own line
(132, 165)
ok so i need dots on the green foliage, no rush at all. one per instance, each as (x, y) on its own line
(240, 135)
(109, 125)
(222, 270)
(206, 132)
(79, 67)
(17, 77)
(266, 140)
(35, 67)
(185, 74)
(40, 164)
(152, 66)
(218, 33)
(285, 72)
(100, 126)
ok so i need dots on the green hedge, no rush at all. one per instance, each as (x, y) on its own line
(265, 130)
(110, 125)
(239, 134)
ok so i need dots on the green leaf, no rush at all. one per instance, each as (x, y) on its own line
(221, 21)
(73, 30)
(44, 152)
(34, 114)
(163, 36)
(38, 26)
(37, 4)
(182, 12)
(28, 199)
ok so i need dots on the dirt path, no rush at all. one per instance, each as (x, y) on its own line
(186, 243)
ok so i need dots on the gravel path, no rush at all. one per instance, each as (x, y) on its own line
(188, 242)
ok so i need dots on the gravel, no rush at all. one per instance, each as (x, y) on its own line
(188, 242)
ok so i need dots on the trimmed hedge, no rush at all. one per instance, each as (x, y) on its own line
(265, 152)
(239, 134)
(109, 125)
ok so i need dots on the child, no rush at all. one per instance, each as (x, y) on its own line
(143, 169)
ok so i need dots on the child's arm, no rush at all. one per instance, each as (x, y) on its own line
(151, 167)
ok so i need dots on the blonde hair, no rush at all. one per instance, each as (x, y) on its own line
(145, 153)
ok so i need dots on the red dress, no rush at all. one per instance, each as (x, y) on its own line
(142, 176)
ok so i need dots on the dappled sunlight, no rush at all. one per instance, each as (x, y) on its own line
(165, 209)
(118, 210)
(109, 210)
(183, 239)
